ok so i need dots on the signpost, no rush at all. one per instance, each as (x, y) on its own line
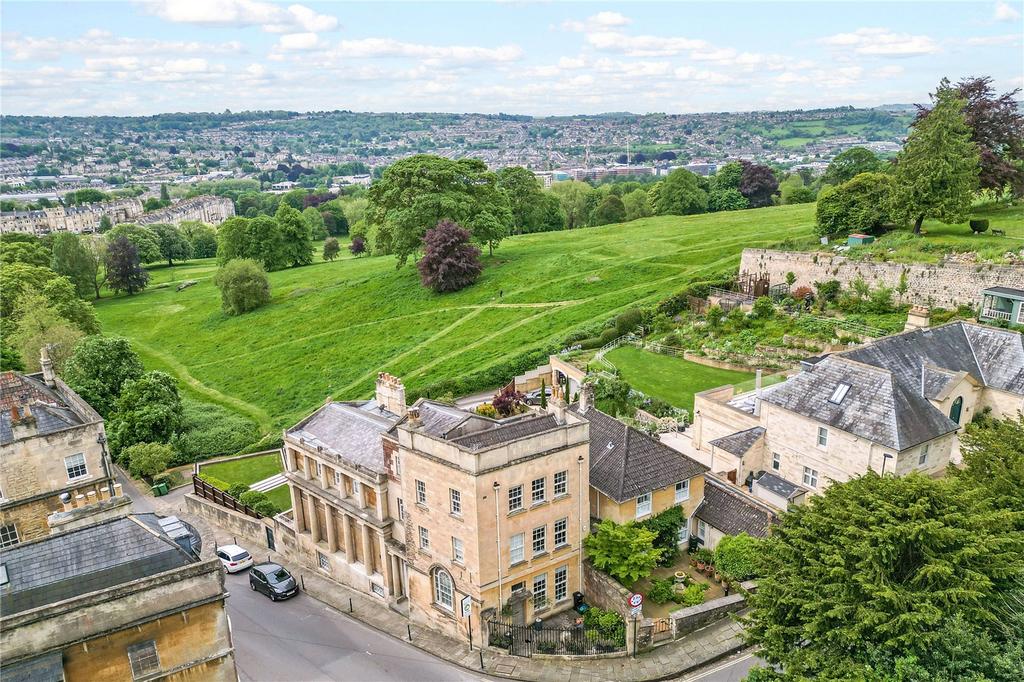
(467, 612)
(636, 602)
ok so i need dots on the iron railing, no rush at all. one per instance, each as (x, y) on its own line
(208, 492)
(527, 640)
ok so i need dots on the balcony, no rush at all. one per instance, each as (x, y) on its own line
(994, 314)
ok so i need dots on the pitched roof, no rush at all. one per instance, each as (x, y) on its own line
(507, 433)
(740, 442)
(49, 410)
(779, 485)
(85, 560)
(1005, 291)
(46, 668)
(733, 512)
(625, 462)
(349, 431)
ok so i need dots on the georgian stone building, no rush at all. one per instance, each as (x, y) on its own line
(86, 218)
(53, 457)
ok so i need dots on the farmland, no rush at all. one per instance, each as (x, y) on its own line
(330, 327)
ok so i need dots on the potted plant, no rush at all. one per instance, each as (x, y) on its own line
(681, 576)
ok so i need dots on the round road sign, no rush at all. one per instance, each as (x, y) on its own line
(636, 600)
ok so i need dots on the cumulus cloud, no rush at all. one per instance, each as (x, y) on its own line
(272, 17)
(387, 47)
(1007, 39)
(1005, 12)
(881, 42)
(642, 45)
(21, 48)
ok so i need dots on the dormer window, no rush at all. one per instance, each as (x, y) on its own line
(839, 394)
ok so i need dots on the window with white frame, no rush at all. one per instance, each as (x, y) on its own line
(424, 538)
(776, 461)
(144, 658)
(702, 529)
(323, 561)
(540, 540)
(75, 465)
(457, 551)
(455, 501)
(319, 468)
(537, 490)
(337, 478)
(561, 483)
(396, 465)
(356, 487)
(643, 505)
(421, 492)
(540, 590)
(561, 583)
(401, 509)
(9, 535)
(922, 458)
(444, 589)
(561, 532)
(811, 477)
(516, 552)
(515, 498)
(822, 436)
(682, 491)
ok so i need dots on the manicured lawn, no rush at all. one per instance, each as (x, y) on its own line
(672, 379)
(248, 470)
(281, 497)
(330, 327)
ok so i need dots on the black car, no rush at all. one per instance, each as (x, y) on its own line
(273, 581)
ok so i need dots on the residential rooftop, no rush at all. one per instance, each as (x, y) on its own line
(350, 430)
(733, 511)
(26, 397)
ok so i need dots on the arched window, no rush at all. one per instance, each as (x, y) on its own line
(956, 409)
(444, 589)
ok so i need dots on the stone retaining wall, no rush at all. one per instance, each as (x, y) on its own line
(937, 285)
(601, 590)
(685, 621)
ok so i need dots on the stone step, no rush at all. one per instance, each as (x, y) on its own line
(269, 483)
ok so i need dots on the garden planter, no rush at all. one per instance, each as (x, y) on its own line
(701, 566)
(680, 576)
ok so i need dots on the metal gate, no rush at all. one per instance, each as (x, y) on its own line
(526, 640)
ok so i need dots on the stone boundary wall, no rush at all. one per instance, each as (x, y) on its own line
(603, 591)
(686, 620)
(937, 285)
(245, 529)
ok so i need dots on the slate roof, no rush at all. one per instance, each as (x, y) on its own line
(1004, 291)
(625, 462)
(507, 433)
(733, 512)
(348, 430)
(780, 486)
(46, 668)
(49, 410)
(85, 560)
(740, 442)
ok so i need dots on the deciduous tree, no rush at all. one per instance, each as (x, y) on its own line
(40, 325)
(201, 236)
(574, 198)
(728, 199)
(98, 369)
(626, 552)
(681, 194)
(937, 171)
(19, 279)
(850, 163)
(173, 244)
(73, 259)
(610, 210)
(758, 183)
(147, 245)
(124, 271)
(146, 460)
(860, 205)
(297, 243)
(243, 286)
(331, 248)
(147, 411)
(358, 246)
(637, 204)
(450, 262)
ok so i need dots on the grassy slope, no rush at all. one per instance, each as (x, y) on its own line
(247, 471)
(331, 327)
(670, 378)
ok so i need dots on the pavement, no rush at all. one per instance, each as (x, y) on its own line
(316, 636)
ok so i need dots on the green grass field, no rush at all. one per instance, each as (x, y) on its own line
(281, 496)
(672, 379)
(247, 471)
(330, 327)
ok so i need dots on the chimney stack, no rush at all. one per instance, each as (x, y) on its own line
(414, 416)
(391, 394)
(919, 317)
(586, 397)
(47, 365)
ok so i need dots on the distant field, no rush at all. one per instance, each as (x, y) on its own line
(672, 379)
(331, 327)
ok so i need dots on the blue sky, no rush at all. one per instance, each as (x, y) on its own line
(123, 58)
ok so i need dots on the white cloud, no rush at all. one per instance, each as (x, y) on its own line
(93, 42)
(387, 47)
(881, 42)
(1007, 39)
(299, 41)
(643, 45)
(888, 71)
(610, 19)
(272, 17)
(1005, 12)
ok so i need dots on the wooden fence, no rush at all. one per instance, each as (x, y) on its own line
(208, 492)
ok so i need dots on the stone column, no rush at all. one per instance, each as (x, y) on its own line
(298, 512)
(325, 476)
(314, 525)
(385, 562)
(332, 533)
(349, 541)
(367, 549)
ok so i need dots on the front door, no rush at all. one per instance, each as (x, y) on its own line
(270, 538)
(956, 409)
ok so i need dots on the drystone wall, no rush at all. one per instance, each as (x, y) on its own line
(944, 285)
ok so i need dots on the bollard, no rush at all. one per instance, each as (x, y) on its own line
(409, 629)
(302, 579)
(482, 660)
(350, 604)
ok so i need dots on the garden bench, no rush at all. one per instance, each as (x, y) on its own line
(999, 233)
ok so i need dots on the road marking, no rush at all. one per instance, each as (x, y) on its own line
(723, 666)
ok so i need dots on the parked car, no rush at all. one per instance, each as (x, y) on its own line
(273, 581)
(533, 397)
(234, 558)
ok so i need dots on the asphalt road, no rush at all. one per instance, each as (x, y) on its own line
(732, 669)
(305, 640)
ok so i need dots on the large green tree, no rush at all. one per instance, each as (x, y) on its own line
(574, 197)
(73, 259)
(860, 205)
(637, 204)
(416, 193)
(123, 267)
(295, 236)
(523, 192)
(39, 325)
(681, 194)
(937, 170)
(873, 570)
(850, 163)
(626, 552)
(993, 454)
(145, 240)
(201, 236)
(148, 410)
(243, 286)
(173, 244)
(19, 279)
(99, 368)
(610, 210)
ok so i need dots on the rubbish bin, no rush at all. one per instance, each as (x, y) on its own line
(695, 543)
(577, 599)
(159, 489)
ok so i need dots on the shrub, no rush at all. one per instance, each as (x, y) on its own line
(607, 336)
(801, 293)
(662, 590)
(331, 249)
(736, 556)
(450, 262)
(357, 247)
(764, 308)
(243, 286)
(266, 508)
(860, 205)
(252, 497)
(215, 482)
(209, 430)
(978, 226)
(666, 527)
(509, 402)
(487, 410)
(828, 291)
(625, 552)
(713, 315)
(147, 459)
(628, 321)
(693, 595)
(237, 490)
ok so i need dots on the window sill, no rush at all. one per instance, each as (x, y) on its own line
(560, 497)
(422, 506)
(81, 479)
(460, 564)
(516, 512)
(559, 548)
(538, 503)
(457, 517)
(518, 564)
(443, 609)
(539, 555)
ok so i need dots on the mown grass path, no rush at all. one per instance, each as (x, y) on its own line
(331, 327)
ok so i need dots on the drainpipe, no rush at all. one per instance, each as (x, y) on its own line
(497, 534)
(885, 457)
(757, 393)
(579, 506)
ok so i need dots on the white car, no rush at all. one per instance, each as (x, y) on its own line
(234, 558)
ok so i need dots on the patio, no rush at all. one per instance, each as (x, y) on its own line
(682, 563)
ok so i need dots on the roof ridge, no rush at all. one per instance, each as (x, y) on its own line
(974, 355)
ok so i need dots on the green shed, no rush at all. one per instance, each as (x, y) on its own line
(857, 239)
